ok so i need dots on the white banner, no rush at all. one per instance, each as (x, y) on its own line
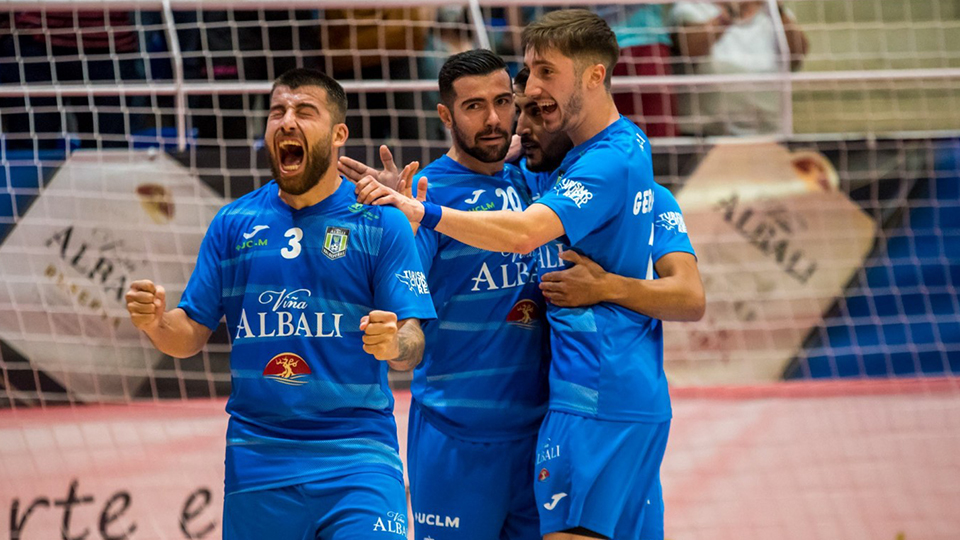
(776, 244)
(103, 220)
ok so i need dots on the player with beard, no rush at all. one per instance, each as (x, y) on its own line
(586, 283)
(603, 439)
(480, 393)
(542, 151)
(321, 295)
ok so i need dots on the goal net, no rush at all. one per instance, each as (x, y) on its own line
(814, 146)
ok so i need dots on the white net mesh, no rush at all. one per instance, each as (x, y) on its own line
(812, 145)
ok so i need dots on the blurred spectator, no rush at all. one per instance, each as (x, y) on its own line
(728, 38)
(376, 44)
(85, 46)
(644, 51)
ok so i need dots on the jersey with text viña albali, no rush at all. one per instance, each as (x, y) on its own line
(606, 361)
(484, 372)
(307, 402)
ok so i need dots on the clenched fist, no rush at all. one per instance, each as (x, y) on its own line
(380, 335)
(146, 303)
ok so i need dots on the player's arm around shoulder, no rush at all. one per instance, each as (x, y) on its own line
(500, 230)
(398, 343)
(677, 294)
(172, 332)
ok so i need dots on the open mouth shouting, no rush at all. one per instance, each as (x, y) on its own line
(547, 106)
(290, 155)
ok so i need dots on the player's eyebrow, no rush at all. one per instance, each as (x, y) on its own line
(308, 106)
(539, 62)
(472, 101)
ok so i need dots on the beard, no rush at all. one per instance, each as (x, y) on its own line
(572, 108)
(551, 156)
(317, 161)
(484, 155)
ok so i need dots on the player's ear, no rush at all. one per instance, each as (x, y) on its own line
(445, 115)
(595, 75)
(340, 135)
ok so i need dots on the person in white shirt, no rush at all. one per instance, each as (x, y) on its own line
(726, 38)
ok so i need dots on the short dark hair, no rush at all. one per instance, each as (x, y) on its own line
(297, 77)
(577, 33)
(472, 62)
(520, 79)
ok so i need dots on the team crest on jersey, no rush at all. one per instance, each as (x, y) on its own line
(525, 313)
(335, 242)
(544, 474)
(287, 368)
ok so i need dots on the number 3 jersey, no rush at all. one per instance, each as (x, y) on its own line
(307, 402)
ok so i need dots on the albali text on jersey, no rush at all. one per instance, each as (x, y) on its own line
(484, 372)
(307, 402)
(607, 361)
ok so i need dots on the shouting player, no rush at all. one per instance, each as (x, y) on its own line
(320, 294)
(603, 439)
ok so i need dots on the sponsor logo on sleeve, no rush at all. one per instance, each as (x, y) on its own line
(415, 281)
(573, 190)
(671, 221)
(357, 208)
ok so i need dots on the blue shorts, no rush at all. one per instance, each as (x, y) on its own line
(367, 505)
(600, 475)
(469, 490)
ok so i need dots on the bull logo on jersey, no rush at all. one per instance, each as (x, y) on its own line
(335, 242)
(544, 474)
(287, 368)
(525, 313)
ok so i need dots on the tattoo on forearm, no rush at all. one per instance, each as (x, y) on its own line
(411, 344)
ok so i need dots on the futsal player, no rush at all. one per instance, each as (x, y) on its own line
(321, 295)
(480, 394)
(603, 439)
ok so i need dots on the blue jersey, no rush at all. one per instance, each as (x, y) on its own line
(537, 183)
(669, 229)
(307, 402)
(483, 376)
(607, 361)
